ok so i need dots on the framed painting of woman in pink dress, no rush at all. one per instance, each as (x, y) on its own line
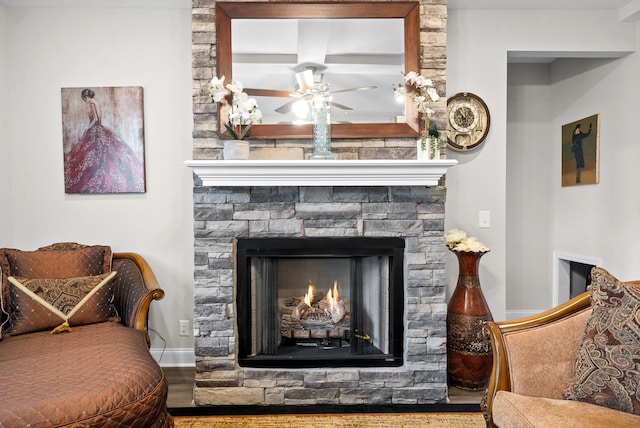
(103, 140)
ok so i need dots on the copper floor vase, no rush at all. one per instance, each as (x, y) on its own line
(469, 358)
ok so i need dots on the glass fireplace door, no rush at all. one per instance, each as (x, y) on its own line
(320, 302)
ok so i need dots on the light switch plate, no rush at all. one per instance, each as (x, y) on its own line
(484, 219)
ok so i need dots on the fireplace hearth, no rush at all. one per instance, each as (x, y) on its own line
(320, 302)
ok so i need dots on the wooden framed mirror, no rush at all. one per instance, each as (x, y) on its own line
(237, 54)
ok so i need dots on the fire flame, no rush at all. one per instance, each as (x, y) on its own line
(333, 296)
(309, 295)
(318, 308)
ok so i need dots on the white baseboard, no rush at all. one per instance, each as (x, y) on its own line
(521, 313)
(174, 357)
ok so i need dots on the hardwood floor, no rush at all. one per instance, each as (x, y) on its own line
(460, 396)
(181, 381)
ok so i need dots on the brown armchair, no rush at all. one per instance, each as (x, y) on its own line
(97, 371)
(533, 362)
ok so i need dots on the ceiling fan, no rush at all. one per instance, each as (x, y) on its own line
(306, 85)
(312, 39)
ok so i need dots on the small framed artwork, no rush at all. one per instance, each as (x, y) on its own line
(103, 140)
(581, 151)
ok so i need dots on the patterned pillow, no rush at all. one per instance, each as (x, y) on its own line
(607, 369)
(59, 303)
(61, 260)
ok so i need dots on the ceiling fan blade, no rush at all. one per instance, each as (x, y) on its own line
(341, 106)
(360, 88)
(286, 107)
(305, 80)
(268, 92)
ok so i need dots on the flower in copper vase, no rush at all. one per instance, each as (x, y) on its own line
(457, 240)
(244, 109)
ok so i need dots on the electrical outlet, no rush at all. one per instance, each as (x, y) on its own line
(184, 327)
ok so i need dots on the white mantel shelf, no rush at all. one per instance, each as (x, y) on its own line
(320, 172)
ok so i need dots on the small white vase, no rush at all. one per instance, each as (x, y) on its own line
(428, 148)
(435, 145)
(236, 150)
(422, 148)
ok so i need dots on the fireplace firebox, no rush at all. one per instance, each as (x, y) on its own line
(320, 302)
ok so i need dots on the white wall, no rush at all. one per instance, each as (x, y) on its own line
(531, 139)
(477, 45)
(49, 49)
(5, 149)
(601, 220)
(580, 220)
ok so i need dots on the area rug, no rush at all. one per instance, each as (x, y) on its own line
(349, 420)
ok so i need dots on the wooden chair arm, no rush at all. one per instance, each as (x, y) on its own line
(500, 379)
(135, 291)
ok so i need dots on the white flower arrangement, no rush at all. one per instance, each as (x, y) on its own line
(424, 95)
(457, 240)
(244, 110)
(426, 92)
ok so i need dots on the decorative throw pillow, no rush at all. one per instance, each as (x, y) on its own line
(61, 260)
(607, 369)
(58, 303)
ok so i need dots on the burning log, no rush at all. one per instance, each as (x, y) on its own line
(311, 297)
(333, 305)
(306, 306)
(335, 309)
(321, 308)
(315, 312)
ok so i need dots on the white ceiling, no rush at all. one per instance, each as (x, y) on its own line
(537, 4)
(628, 10)
(170, 4)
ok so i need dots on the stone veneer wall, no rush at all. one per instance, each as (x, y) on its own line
(414, 213)
(222, 214)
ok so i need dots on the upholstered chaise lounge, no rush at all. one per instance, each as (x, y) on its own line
(559, 368)
(97, 370)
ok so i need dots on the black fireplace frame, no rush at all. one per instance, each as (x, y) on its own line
(354, 247)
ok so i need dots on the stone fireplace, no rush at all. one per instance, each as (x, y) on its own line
(372, 191)
(411, 216)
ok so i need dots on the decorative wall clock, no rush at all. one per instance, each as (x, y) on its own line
(468, 121)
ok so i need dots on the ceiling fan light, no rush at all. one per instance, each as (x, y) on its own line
(301, 109)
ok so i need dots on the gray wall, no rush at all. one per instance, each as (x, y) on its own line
(51, 48)
(596, 220)
(531, 141)
(5, 148)
(591, 221)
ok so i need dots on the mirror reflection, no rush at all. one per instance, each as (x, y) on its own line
(360, 60)
(359, 49)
